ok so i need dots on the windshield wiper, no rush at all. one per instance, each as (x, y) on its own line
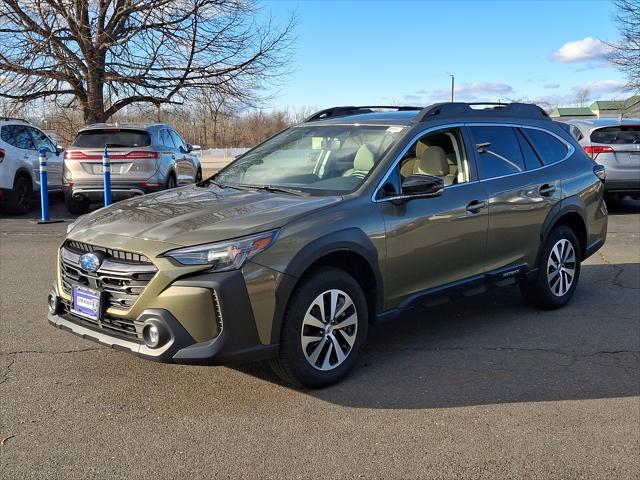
(275, 189)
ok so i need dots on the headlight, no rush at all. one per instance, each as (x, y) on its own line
(225, 256)
(75, 223)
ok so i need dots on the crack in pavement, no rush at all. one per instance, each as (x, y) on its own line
(8, 370)
(619, 271)
(54, 352)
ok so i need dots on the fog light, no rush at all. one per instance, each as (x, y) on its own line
(52, 301)
(152, 335)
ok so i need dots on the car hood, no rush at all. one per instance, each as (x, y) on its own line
(193, 215)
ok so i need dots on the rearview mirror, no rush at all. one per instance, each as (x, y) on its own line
(59, 149)
(422, 186)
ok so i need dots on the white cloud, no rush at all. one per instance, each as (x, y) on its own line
(551, 85)
(472, 91)
(602, 87)
(588, 49)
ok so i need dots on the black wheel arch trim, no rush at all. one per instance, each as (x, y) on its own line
(569, 205)
(23, 171)
(352, 240)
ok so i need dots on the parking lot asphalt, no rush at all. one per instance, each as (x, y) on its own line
(484, 388)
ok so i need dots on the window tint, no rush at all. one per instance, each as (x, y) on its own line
(18, 136)
(439, 154)
(549, 148)
(115, 138)
(498, 151)
(531, 159)
(177, 139)
(41, 140)
(166, 139)
(617, 135)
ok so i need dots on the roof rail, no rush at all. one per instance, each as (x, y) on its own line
(8, 119)
(351, 110)
(451, 109)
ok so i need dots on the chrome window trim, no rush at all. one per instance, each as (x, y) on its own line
(570, 151)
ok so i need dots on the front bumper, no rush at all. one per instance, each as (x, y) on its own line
(237, 339)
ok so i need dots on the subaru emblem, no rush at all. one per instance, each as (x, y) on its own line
(90, 262)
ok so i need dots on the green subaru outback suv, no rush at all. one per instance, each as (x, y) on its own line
(358, 214)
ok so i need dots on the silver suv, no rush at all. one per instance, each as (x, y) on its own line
(144, 158)
(614, 143)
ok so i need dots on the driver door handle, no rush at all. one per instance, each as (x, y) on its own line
(546, 190)
(476, 205)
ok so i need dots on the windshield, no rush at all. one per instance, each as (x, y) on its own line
(113, 137)
(321, 159)
(617, 135)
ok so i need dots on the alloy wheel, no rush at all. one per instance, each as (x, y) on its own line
(561, 267)
(329, 330)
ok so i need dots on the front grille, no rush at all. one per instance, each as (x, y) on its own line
(120, 327)
(121, 282)
(128, 257)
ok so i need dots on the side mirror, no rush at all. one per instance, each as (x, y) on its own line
(59, 149)
(422, 186)
(189, 148)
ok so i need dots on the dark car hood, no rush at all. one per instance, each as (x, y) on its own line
(194, 215)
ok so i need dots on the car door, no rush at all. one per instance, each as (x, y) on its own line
(436, 241)
(26, 153)
(170, 151)
(187, 167)
(521, 192)
(54, 159)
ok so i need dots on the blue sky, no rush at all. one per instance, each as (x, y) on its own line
(373, 52)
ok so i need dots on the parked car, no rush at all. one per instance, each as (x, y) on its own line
(144, 158)
(614, 143)
(356, 215)
(20, 143)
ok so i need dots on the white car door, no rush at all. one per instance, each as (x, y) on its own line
(54, 159)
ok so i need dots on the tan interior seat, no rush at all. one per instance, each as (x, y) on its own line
(434, 162)
(362, 163)
(409, 164)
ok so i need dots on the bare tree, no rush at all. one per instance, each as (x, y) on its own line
(105, 55)
(583, 96)
(626, 52)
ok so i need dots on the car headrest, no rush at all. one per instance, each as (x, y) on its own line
(433, 161)
(363, 161)
(420, 148)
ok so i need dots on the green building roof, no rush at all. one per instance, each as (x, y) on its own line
(571, 112)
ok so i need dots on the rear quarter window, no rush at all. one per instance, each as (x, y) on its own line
(549, 148)
(618, 135)
(114, 138)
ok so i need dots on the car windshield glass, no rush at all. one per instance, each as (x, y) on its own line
(617, 135)
(113, 137)
(320, 159)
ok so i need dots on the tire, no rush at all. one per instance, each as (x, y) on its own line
(318, 364)
(554, 287)
(198, 176)
(76, 207)
(171, 182)
(20, 198)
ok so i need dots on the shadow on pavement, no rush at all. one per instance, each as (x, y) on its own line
(493, 348)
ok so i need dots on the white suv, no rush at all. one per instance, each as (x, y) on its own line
(19, 163)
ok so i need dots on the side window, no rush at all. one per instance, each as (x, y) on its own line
(177, 139)
(576, 132)
(18, 136)
(439, 154)
(41, 140)
(531, 159)
(166, 139)
(498, 151)
(549, 148)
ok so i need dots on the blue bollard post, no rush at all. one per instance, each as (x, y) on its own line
(44, 189)
(106, 172)
(44, 192)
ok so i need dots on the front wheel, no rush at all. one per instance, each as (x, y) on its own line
(325, 326)
(558, 271)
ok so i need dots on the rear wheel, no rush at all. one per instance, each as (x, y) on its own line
(198, 176)
(76, 207)
(325, 326)
(21, 196)
(559, 271)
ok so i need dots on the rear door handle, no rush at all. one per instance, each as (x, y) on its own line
(476, 206)
(546, 189)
